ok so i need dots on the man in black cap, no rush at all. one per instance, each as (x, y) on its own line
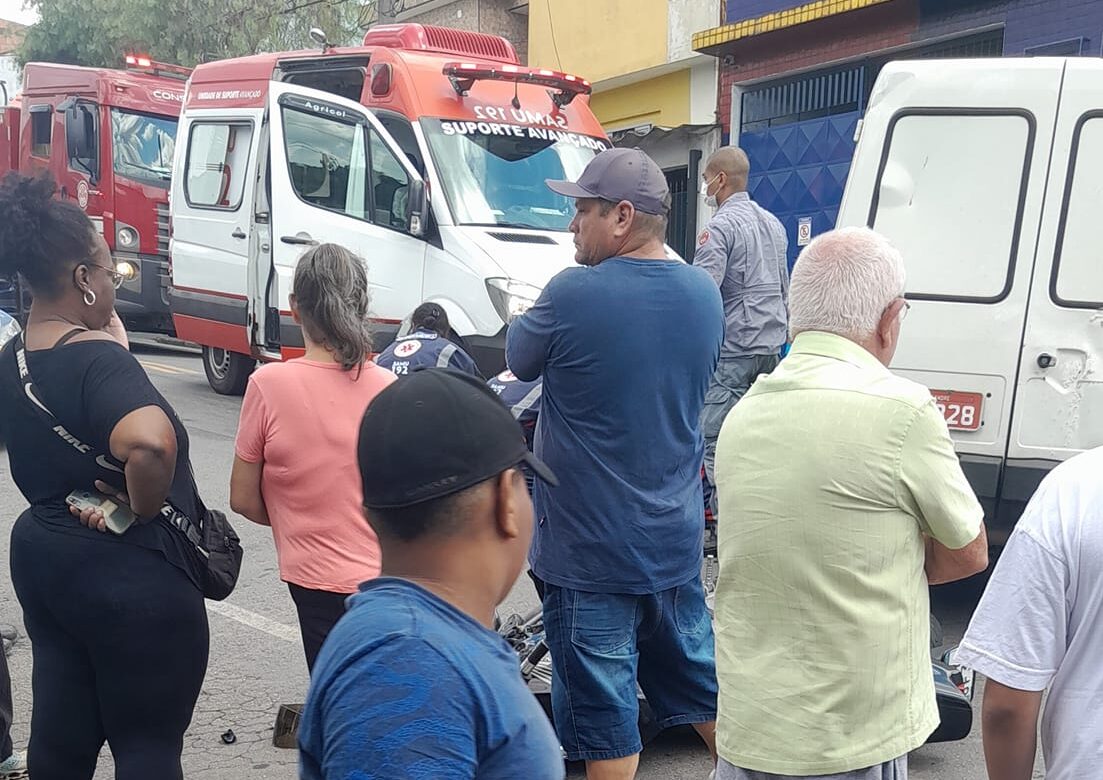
(412, 682)
(626, 346)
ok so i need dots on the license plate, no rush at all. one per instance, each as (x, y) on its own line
(961, 410)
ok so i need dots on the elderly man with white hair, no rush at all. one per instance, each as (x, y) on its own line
(846, 499)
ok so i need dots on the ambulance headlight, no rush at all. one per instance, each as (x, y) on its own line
(511, 298)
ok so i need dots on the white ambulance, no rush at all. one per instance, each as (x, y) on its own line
(986, 175)
(425, 151)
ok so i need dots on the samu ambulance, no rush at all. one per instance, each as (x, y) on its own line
(425, 151)
(984, 174)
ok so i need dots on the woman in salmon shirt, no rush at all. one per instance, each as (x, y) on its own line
(295, 466)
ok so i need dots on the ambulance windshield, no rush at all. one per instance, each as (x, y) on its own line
(142, 145)
(493, 174)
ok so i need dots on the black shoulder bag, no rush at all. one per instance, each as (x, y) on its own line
(214, 538)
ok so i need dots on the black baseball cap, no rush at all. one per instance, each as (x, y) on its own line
(434, 433)
(620, 174)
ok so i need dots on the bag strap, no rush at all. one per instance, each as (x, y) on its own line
(102, 460)
(66, 337)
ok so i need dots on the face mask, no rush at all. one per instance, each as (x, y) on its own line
(710, 200)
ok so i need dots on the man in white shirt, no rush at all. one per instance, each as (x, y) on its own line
(1039, 625)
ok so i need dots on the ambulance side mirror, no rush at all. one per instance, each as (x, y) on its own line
(418, 210)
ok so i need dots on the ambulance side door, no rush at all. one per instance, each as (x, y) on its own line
(338, 177)
(213, 188)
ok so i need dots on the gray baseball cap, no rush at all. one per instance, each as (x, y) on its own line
(620, 174)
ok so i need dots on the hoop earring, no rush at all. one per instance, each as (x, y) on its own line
(89, 298)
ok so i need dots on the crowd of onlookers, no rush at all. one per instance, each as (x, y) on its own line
(837, 492)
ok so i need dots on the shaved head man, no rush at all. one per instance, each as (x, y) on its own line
(729, 168)
(743, 248)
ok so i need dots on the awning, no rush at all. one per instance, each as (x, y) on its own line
(648, 137)
(709, 41)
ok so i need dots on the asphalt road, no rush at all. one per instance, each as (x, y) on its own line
(256, 661)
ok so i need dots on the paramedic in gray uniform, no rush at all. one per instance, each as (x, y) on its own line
(743, 248)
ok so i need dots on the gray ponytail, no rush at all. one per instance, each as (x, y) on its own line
(331, 291)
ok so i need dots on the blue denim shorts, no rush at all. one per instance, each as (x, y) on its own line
(601, 644)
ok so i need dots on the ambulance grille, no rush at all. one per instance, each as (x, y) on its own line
(427, 37)
(447, 39)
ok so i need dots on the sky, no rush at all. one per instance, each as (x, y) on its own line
(13, 11)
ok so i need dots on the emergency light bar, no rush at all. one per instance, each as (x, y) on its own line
(463, 76)
(144, 64)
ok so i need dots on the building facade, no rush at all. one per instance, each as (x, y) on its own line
(507, 18)
(11, 81)
(651, 89)
(795, 77)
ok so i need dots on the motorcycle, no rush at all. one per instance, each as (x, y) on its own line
(525, 634)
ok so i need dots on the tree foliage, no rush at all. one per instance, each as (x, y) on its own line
(99, 32)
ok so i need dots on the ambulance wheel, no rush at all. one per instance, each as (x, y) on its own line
(227, 372)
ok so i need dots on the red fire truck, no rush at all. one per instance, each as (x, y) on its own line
(108, 138)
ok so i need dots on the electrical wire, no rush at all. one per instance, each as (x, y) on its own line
(555, 45)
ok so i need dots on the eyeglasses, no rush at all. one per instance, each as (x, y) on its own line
(117, 278)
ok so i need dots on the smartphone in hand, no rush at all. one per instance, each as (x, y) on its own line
(117, 516)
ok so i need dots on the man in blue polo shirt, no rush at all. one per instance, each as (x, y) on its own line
(413, 682)
(626, 345)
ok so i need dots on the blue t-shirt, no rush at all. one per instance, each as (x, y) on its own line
(407, 686)
(425, 349)
(626, 350)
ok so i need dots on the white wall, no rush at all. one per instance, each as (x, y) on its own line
(703, 80)
(11, 75)
(685, 18)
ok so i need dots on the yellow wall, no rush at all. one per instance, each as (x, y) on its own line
(597, 39)
(662, 101)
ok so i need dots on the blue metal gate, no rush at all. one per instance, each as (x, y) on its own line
(799, 136)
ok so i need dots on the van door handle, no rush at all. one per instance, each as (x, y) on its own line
(299, 240)
(1046, 360)
(238, 233)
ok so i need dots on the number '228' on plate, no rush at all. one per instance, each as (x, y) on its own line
(961, 410)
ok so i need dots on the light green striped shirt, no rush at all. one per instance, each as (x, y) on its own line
(830, 471)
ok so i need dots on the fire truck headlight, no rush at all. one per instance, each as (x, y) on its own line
(126, 237)
(128, 270)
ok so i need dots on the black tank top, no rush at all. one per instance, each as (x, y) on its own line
(89, 386)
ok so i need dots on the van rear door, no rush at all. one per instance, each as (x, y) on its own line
(1059, 403)
(338, 176)
(955, 174)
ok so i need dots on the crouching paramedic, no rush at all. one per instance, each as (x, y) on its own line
(522, 398)
(426, 346)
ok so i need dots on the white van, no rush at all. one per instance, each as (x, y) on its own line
(987, 175)
(425, 151)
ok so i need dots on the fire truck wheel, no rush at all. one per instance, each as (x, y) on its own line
(227, 372)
